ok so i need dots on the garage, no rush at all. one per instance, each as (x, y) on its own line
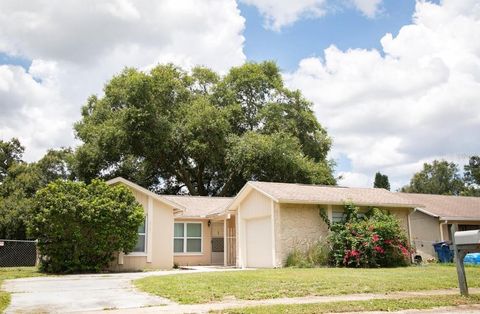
(259, 242)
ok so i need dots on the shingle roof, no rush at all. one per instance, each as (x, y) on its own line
(447, 206)
(199, 206)
(303, 193)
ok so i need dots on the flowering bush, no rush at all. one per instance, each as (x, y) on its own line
(376, 240)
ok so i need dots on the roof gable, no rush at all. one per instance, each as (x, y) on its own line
(120, 180)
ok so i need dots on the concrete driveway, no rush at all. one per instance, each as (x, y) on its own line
(81, 293)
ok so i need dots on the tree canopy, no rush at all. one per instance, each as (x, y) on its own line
(20, 180)
(172, 130)
(439, 177)
(472, 176)
(381, 181)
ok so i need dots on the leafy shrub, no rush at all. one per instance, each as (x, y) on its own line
(315, 255)
(376, 240)
(79, 226)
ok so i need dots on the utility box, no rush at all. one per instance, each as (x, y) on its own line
(467, 237)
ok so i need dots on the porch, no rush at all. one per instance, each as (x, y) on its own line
(205, 241)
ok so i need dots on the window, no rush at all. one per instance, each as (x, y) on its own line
(187, 237)
(339, 217)
(142, 238)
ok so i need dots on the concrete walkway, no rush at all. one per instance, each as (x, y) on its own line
(80, 293)
(218, 306)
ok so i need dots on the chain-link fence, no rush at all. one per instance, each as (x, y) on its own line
(16, 253)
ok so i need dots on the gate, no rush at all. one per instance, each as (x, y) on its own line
(16, 253)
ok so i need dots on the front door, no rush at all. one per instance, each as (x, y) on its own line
(218, 246)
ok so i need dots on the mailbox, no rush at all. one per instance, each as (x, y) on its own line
(464, 242)
(467, 237)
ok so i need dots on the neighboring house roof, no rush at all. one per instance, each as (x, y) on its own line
(319, 194)
(446, 207)
(200, 206)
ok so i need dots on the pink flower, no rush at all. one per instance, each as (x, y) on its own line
(379, 249)
(355, 253)
(375, 237)
(388, 241)
(404, 250)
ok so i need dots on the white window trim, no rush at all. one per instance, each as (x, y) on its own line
(144, 253)
(184, 238)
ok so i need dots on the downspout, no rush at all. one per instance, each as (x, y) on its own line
(442, 237)
(410, 230)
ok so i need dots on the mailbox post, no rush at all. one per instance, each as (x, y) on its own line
(464, 242)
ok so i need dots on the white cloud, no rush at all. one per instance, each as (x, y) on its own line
(369, 8)
(282, 13)
(354, 179)
(76, 48)
(417, 100)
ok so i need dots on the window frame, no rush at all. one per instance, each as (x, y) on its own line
(185, 238)
(145, 234)
(335, 220)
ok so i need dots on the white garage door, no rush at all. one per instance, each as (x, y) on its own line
(259, 242)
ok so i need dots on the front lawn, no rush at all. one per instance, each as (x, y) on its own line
(13, 273)
(361, 306)
(290, 282)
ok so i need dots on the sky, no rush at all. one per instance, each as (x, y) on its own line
(395, 83)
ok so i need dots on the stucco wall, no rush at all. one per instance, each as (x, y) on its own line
(193, 259)
(161, 244)
(300, 227)
(425, 231)
(254, 206)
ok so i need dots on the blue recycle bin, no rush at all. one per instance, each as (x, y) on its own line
(445, 255)
(472, 259)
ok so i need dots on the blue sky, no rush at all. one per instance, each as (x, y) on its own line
(344, 28)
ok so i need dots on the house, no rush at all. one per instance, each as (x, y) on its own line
(181, 230)
(274, 218)
(257, 228)
(432, 220)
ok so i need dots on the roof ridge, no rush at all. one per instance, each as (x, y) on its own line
(322, 185)
(443, 195)
(197, 196)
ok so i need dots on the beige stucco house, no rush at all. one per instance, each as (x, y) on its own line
(265, 221)
(181, 230)
(274, 218)
(257, 228)
(432, 219)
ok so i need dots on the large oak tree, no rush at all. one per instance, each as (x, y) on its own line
(173, 130)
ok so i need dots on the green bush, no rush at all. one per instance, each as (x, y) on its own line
(79, 227)
(315, 255)
(376, 240)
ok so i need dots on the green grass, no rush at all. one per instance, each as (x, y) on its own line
(290, 282)
(359, 306)
(13, 273)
